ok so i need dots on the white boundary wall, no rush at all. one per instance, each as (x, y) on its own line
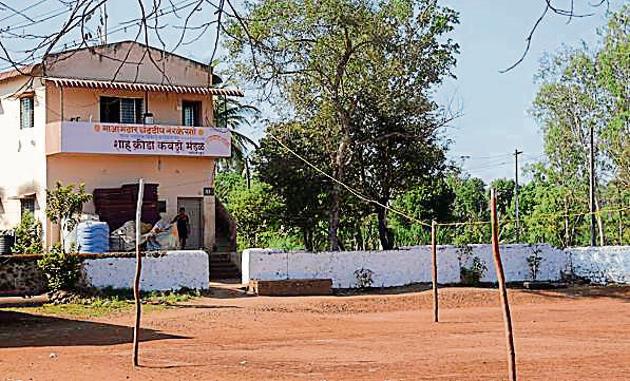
(172, 271)
(413, 265)
(606, 264)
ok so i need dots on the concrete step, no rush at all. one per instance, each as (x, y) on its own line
(225, 270)
(222, 266)
(220, 257)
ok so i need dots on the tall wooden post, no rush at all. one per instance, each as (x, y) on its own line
(507, 317)
(434, 272)
(136, 281)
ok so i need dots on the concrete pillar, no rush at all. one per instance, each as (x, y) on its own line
(208, 222)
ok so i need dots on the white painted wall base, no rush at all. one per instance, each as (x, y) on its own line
(175, 270)
(413, 265)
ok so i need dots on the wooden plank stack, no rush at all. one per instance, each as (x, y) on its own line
(117, 205)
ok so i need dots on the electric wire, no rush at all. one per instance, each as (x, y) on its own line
(348, 188)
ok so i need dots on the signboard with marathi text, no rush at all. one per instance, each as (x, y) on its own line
(141, 139)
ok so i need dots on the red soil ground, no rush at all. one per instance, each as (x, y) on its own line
(579, 334)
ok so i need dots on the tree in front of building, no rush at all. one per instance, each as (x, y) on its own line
(62, 271)
(28, 235)
(256, 210)
(64, 205)
(234, 115)
(321, 57)
(304, 191)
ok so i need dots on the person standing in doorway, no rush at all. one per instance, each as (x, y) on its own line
(183, 227)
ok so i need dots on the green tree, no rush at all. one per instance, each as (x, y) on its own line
(584, 93)
(470, 205)
(613, 75)
(426, 202)
(547, 212)
(321, 57)
(28, 235)
(230, 113)
(505, 208)
(64, 205)
(226, 183)
(567, 107)
(303, 190)
(255, 210)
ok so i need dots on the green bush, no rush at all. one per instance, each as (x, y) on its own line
(28, 235)
(62, 270)
(471, 275)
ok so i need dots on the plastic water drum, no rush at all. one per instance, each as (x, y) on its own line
(93, 237)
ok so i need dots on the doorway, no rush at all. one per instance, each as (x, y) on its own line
(194, 210)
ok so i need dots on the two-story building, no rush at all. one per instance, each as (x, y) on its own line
(106, 116)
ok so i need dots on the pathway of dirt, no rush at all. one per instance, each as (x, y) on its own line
(581, 334)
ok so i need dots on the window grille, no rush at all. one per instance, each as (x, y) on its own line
(121, 110)
(27, 112)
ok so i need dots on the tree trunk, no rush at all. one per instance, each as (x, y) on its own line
(333, 221)
(600, 224)
(62, 241)
(358, 237)
(383, 232)
(308, 239)
(335, 207)
(567, 238)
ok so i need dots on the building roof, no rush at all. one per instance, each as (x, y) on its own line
(137, 86)
(32, 68)
(16, 72)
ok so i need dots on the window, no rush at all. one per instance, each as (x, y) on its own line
(27, 204)
(27, 112)
(161, 206)
(191, 112)
(122, 110)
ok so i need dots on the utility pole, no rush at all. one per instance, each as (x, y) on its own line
(518, 225)
(102, 29)
(591, 187)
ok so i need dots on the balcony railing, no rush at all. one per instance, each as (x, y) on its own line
(136, 139)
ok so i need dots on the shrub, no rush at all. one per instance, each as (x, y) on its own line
(28, 235)
(471, 275)
(62, 271)
(364, 277)
(533, 262)
(64, 205)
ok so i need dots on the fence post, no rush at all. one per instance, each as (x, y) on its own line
(507, 317)
(136, 281)
(434, 272)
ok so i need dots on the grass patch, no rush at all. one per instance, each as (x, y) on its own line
(112, 301)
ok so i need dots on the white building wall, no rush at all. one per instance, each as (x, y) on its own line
(413, 265)
(23, 165)
(173, 271)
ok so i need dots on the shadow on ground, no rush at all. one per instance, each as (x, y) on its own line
(26, 330)
(415, 287)
(616, 292)
(226, 289)
(203, 306)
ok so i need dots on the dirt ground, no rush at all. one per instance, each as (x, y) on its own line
(577, 334)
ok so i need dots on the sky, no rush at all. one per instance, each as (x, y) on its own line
(491, 34)
(495, 106)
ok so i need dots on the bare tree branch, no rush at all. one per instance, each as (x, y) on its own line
(569, 13)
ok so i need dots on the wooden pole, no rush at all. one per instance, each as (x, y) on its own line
(435, 272)
(507, 317)
(136, 281)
